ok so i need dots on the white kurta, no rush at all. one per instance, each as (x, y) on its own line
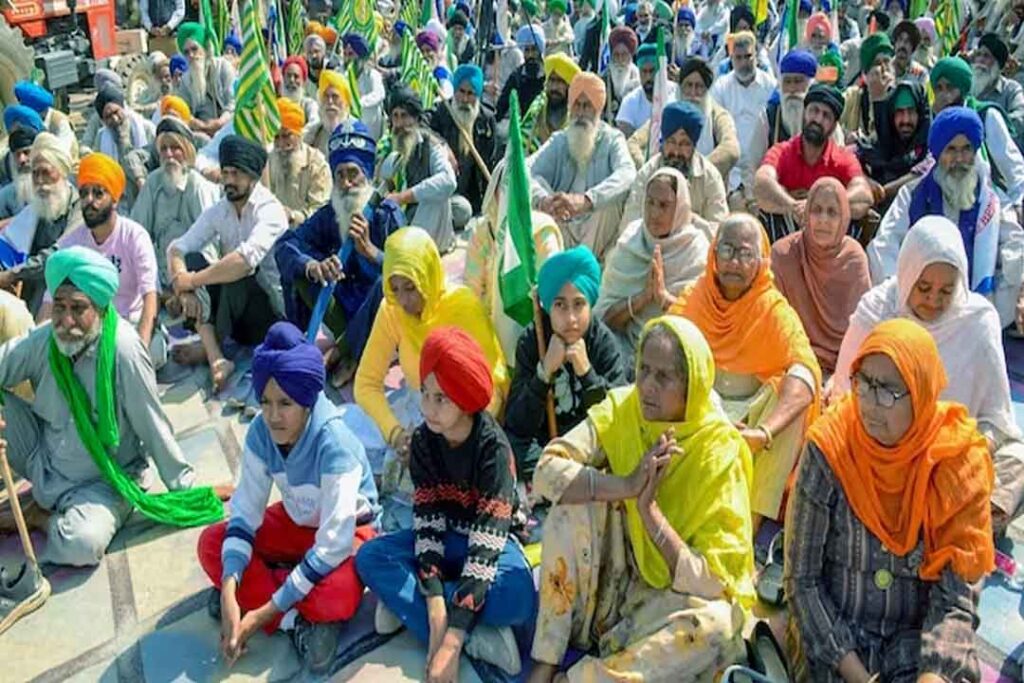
(746, 103)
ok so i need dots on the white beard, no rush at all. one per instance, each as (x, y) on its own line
(76, 346)
(792, 112)
(53, 205)
(405, 143)
(684, 44)
(347, 204)
(581, 140)
(293, 95)
(958, 193)
(465, 118)
(983, 78)
(284, 169)
(329, 119)
(175, 177)
(197, 79)
(619, 76)
(924, 57)
(23, 187)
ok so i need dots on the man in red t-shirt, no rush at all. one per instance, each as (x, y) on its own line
(790, 168)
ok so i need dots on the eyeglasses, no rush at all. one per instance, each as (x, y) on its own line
(882, 395)
(727, 252)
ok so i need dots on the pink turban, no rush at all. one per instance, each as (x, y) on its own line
(589, 84)
(818, 20)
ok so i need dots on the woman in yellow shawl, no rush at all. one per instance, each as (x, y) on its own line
(767, 373)
(647, 561)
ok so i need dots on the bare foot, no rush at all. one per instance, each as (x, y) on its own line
(331, 358)
(345, 371)
(224, 491)
(220, 370)
(189, 354)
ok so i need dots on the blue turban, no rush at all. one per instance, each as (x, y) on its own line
(20, 115)
(357, 43)
(179, 64)
(682, 114)
(806, 6)
(233, 41)
(351, 142)
(297, 365)
(89, 271)
(471, 73)
(953, 121)
(576, 265)
(530, 35)
(686, 16)
(33, 96)
(799, 62)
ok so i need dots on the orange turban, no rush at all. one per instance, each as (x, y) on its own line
(293, 118)
(99, 169)
(172, 104)
(333, 79)
(589, 84)
(458, 363)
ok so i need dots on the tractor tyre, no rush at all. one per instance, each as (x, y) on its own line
(16, 60)
(136, 75)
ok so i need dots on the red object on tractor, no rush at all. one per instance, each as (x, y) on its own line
(31, 17)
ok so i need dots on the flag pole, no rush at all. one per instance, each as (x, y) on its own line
(467, 137)
(542, 351)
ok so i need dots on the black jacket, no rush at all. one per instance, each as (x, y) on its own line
(471, 182)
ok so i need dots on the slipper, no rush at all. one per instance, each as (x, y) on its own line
(769, 582)
(766, 654)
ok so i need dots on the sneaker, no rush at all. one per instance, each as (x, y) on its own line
(385, 622)
(316, 643)
(23, 595)
(213, 604)
(495, 646)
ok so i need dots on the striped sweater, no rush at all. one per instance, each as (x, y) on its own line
(469, 489)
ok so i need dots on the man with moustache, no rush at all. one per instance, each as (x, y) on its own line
(339, 245)
(899, 155)
(905, 39)
(681, 124)
(784, 116)
(623, 76)
(315, 50)
(419, 176)
(791, 167)
(550, 111)
(123, 132)
(160, 85)
(335, 99)
(81, 508)
(528, 78)
(988, 61)
(208, 84)
(294, 74)
(467, 114)
(15, 195)
(369, 82)
(124, 243)
(239, 294)
(582, 175)
(32, 234)
(636, 107)
(299, 175)
(958, 187)
(864, 101)
(175, 193)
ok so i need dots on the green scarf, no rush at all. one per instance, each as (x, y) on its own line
(185, 508)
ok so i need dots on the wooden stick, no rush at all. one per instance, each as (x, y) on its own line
(542, 350)
(19, 518)
(469, 140)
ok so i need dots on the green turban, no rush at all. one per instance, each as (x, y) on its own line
(87, 270)
(530, 7)
(833, 59)
(191, 30)
(872, 46)
(956, 71)
(558, 5)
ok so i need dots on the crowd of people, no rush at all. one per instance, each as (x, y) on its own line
(775, 259)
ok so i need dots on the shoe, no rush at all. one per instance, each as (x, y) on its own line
(23, 595)
(316, 643)
(213, 604)
(495, 646)
(385, 622)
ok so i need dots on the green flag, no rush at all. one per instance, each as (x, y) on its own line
(256, 113)
(296, 28)
(356, 107)
(206, 19)
(517, 274)
(357, 17)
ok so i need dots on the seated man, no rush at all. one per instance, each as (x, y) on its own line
(335, 98)
(636, 107)
(765, 369)
(558, 33)
(17, 116)
(896, 157)
(238, 295)
(420, 178)
(32, 235)
(337, 246)
(906, 38)
(473, 578)
(208, 85)
(315, 52)
(16, 194)
(369, 82)
(790, 168)
(550, 111)
(958, 187)
(299, 175)
(784, 116)
(294, 74)
(328, 509)
(159, 86)
(682, 124)
(56, 122)
(582, 175)
(89, 488)
(990, 85)
(623, 76)
(864, 101)
(452, 121)
(123, 131)
(528, 78)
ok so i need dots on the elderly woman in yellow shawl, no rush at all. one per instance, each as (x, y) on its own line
(416, 300)
(647, 561)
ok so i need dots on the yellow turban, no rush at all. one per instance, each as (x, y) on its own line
(172, 104)
(293, 118)
(562, 66)
(333, 79)
(99, 169)
(590, 85)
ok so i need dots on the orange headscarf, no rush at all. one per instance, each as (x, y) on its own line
(758, 334)
(935, 483)
(293, 118)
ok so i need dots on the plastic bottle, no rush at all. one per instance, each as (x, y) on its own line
(1011, 569)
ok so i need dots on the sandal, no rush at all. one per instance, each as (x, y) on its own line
(769, 582)
(765, 658)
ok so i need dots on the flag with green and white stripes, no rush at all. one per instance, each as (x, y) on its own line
(416, 72)
(356, 16)
(296, 28)
(206, 19)
(256, 113)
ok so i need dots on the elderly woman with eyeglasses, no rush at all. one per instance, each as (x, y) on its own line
(889, 527)
(766, 371)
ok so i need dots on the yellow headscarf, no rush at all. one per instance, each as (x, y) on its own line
(705, 494)
(412, 253)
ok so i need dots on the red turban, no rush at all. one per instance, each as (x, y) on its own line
(459, 365)
(299, 61)
(623, 35)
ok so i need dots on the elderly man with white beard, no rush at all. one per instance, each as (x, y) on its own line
(16, 195)
(784, 116)
(990, 85)
(208, 85)
(33, 234)
(123, 132)
(294, 74)
(623, 76)
(958, 187)
(582, 175)
(419, 175)
(369, 82)
(175, 194)
(335, 100)
(338, 244)
(299, 175)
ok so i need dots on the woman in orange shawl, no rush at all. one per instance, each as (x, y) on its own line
(766, 371)
(890, 524)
